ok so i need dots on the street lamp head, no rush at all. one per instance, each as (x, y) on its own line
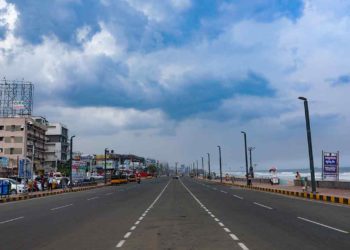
(302, 98)
(72, 137)
(242, 132)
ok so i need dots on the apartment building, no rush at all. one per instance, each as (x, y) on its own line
(56, 145)
(23, 137)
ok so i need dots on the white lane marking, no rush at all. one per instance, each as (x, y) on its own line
(261, 205)
(93, 198)
(238, 197)
(108, 193)
(55, 208)
(222, 191)
(234, 237)
(121, 243)
(127, 235)
(323, 225)
(18, 218)
(243, 246)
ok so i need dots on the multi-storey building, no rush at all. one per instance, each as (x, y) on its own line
(56, 145)
(21, 138)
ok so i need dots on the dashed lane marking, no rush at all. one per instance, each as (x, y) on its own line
(243, 246)
(323, 225)
(222, 191)
(93, 198)
(234, 237)
(238, 197)
(261, 205)
(56, 208)
(127, 235)
(6, 221)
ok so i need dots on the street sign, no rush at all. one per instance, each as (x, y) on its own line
(330, 166)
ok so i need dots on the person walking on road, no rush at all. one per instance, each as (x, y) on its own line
(50, 182)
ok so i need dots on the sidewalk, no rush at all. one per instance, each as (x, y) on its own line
(325, 194)
(32, 195)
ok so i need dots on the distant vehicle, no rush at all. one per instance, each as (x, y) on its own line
(118, 178)
(16, 187)
(132, 178)
(176, 177)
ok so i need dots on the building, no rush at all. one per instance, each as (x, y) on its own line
(56, 145)
(23, 138)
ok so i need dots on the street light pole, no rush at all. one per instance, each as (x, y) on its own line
(71, 161)
(220, 163)
(197, 168)
(203, 166)
(106, 151)
(251, 170)
(246, 155)
(308, 131)
(208, 165)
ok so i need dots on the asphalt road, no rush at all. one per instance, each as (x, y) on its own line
(166, 213)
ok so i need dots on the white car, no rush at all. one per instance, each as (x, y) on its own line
(16, 187)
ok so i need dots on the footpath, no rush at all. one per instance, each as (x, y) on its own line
(340, 196)
(38, 194)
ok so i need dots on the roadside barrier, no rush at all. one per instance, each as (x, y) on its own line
(49, 193)
(306, 195)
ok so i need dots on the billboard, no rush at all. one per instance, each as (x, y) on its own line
(4, 162)
(330, 166)
(25, 169)
(79, 169)
(110, 164)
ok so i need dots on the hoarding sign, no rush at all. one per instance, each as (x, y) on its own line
(79, 170)
(25, 169)
(4, 162)
(110, 164)
(330, 169)
(18, 105)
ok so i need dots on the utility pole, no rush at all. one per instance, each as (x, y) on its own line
(203, 167)
(197, 168)
(251, 170)
(209, 174)
(220, 163)
(106, 152)
(71, 161)
(246, 155)
(309, 142)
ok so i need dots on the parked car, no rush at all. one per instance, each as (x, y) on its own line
(16, 187)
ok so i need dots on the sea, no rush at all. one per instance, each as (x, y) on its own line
(287, 175)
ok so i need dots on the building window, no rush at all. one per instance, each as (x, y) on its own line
(1, 150)
(1, 127)
(1, 138)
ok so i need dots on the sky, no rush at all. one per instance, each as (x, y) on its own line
(172, 79)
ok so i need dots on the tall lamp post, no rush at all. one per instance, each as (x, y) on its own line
(251, 170)
(106, 152)
(246, 155)
(203, 166)
(197, 167)
(71, 160)
(309, 142)
(209, 166)
(220, 163)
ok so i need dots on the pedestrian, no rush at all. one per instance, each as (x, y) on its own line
(50, 182)
(297, 176)
(42, 183)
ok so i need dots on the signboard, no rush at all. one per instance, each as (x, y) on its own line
(25, 169)
(110, 164)
(79, 170)
(4, 162)
(330, 166)
(18, 105)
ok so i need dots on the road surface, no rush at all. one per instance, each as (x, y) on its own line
(166, 213)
